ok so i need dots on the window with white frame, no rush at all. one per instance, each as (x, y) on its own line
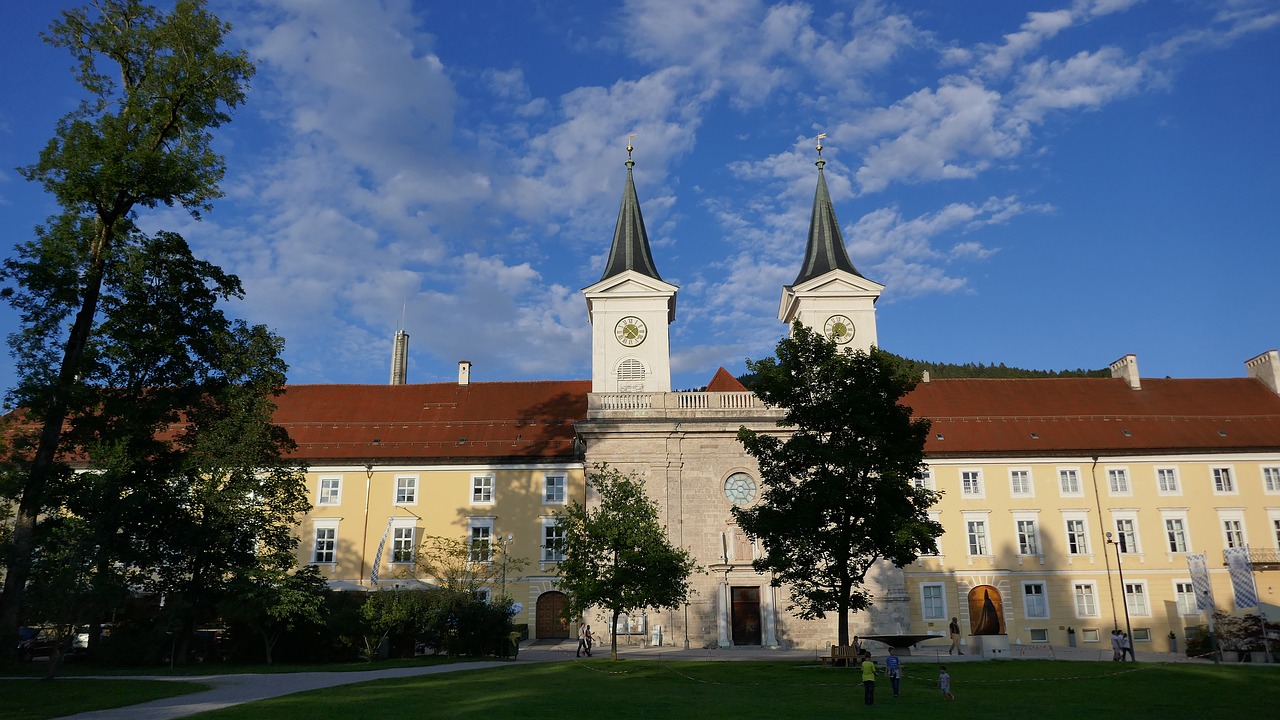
(1232, 528)
(402, 544)
(1135, 598)
(977, 531)
(480, 540)
(1020, 483)
(1086, 600)
(1175, 530)
(1077, 536)
(1118, 481)
(1275, 529)
(1028, 530)
(935, 516)
(1167, 481)
(932, 604)
(1271, 479)
(552, 540)
(1090, 635)
(1141, 634)
(925, 480)
(1185, 595)
(1034, 602)
(325, 548)
(330, 491)
(1223, 483)
(481, 489)
(484, 595)
(971, 483)
(1127, 534)
(407, 490)
(1039, 635)
(554, 489)
(1069, 482)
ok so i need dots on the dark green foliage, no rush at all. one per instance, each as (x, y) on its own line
(938, 370)
(445, 622)
(617, 555)
(838, 493)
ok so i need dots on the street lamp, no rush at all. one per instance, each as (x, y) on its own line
(1124, 595)
(502, 543)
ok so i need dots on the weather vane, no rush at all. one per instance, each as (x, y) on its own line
(819, 148)
(629, 148)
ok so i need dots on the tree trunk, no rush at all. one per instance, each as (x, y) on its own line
(613, 636)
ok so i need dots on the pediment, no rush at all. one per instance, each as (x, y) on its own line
(838, 282)
(630, 283)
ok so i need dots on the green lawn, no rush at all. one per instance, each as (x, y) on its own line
(39, 699)
(709, 690)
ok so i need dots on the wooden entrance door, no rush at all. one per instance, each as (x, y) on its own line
(746, 615)
(549, 619)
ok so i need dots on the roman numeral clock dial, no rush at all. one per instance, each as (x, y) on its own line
(839, 329)
(630, 331)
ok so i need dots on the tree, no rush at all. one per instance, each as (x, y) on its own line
(837, 494)
(157, 84)
(271, 602)
(617, 555)
(459, 565)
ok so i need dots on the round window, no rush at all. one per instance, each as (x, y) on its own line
(740, 488)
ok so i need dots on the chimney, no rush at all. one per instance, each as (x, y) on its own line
(1266, 367)
(464, 372)
(1127, 368)
(400, 358)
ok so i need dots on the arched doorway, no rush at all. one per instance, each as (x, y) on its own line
(986, 611)
(549, 617)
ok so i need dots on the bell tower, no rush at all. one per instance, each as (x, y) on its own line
(830, 295)
(630, 309)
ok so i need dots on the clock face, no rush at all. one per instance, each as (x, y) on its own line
(630, 331)
(839, 329)
(740, 488)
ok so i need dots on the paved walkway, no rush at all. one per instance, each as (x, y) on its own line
(231, 690)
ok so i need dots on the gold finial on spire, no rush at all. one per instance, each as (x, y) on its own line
(819, 148)
(629, 147)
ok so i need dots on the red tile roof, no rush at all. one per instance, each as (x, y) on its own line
(1097, 416)
(437, 422)
(723, 381)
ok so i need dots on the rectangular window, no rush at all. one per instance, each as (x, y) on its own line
(1028, 538)
(1167, 481)
(1069, 480)
(406, 490)
(1039, 635)
(482, 490)
(330, 491)
(1233, 533)
(1127, 535)
(1077, 540)
(925, 481)
(326, 545)
(1118, 481)
(1141, 634)
(1020, 483)
(1135, 597)
(1036, 606)
(1176, 530)
(977, 537)
(1271, 479)
(931, 604)
(1222, 481)
(1089, 635)
(480, 545)
(552, 542)
(1275, 527)
(553, 489)
(1185, 593)
(402, 545)
(1086, 603)
(971, 483)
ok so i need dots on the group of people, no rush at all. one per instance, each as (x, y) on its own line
(893, 670)
(1121, 645)
(585, 640)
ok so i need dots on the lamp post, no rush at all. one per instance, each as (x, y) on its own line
(1124, 597)
(502, 543)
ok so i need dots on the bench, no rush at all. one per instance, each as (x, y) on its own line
(841, 655)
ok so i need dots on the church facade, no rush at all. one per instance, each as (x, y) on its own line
(1070, 506)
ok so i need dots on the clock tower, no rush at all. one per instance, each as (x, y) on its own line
(830, 295)
(630, 309)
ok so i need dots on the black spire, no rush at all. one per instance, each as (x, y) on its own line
(826, 251)
(630, 249)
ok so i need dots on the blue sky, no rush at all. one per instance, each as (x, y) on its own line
(1045, 184)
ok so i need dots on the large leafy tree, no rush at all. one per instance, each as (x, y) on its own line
(837, 495)
(617, 555)
(157, 84)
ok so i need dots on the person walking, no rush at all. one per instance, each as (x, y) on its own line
(893, 668)
(955, 637)
(944, 683)
(1126, 647)
(1117, 646)
(868, 679)
(591, 640)
(583, 629)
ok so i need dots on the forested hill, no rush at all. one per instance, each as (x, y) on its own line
(980, 370)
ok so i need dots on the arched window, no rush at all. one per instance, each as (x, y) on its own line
(630, 370)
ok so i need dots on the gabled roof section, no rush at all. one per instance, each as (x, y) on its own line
(1096, 416)
(436, 422)
(723, 381)
(825, 251)
(630, 250)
